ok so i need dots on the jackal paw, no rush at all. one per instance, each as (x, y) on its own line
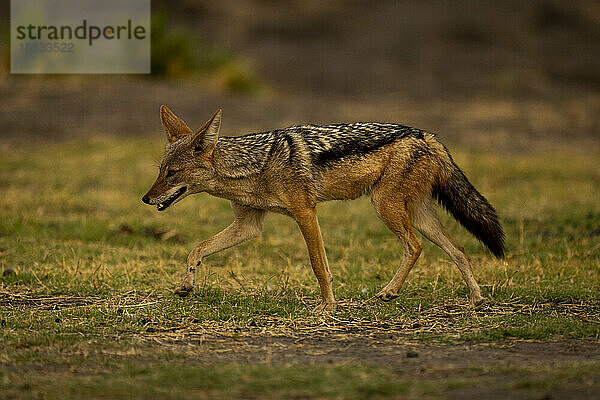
(184, 289)
(325, 307)
(386, 296)
(478, 301)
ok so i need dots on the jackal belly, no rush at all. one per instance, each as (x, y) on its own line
(349, 180)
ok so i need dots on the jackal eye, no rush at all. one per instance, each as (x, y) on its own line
(172, 172)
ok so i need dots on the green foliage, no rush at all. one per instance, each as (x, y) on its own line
(173, 52)
(178, 51)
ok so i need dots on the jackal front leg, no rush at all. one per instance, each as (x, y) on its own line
(309, 226)
(247, 225)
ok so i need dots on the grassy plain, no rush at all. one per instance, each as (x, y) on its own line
(87, 310)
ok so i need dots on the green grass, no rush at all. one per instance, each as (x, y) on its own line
(86, 288)
(179, 381)
(175, 380)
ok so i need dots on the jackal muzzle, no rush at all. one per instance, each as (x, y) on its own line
(164, 204)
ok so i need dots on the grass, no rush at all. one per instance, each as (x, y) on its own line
(88, 272)
(176, 381)
(255, 382)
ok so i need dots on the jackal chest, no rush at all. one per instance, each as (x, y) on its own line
(263, 200)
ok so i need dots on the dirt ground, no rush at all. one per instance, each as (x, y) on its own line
(499, 364)
(386, 349)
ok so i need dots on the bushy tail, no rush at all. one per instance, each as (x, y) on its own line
(455, 193)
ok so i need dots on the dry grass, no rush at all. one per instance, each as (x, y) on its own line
(88, 273)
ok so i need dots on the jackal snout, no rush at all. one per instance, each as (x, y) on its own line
(164, 199)
(165, 191)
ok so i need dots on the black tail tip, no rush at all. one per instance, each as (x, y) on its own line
(496, 245)
(498, 252)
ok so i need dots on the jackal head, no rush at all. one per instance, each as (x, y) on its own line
(187, 166)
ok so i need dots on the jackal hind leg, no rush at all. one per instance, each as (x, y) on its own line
(306, 218)
(426, 221)
(393, 211)
(246, 225)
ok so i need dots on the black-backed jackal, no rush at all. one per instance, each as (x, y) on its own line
(288, 171)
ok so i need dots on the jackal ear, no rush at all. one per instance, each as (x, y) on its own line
(206, 137)
(174, 126)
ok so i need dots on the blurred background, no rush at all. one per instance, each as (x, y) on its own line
(510, 74)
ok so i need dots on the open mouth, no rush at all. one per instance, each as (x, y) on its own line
(162, 205)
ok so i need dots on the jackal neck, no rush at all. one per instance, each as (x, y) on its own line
(238, 157)
(238, 165)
